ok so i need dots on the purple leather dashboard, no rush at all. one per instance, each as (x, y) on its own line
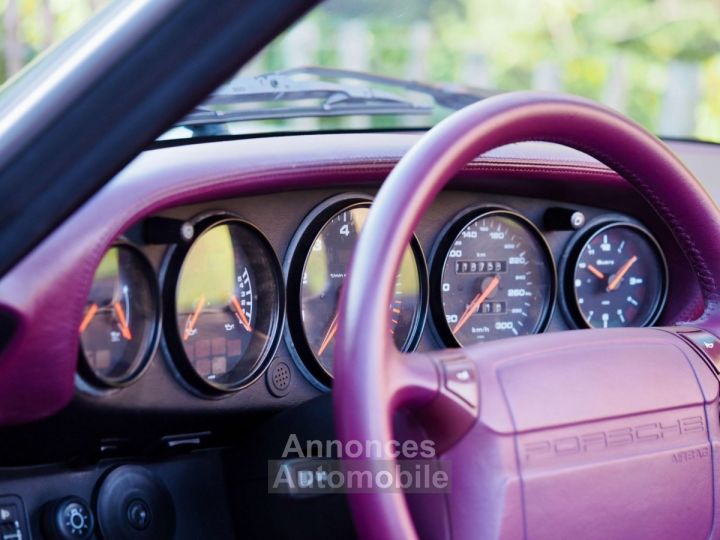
(46, 292)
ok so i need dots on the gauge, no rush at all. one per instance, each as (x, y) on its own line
(619, 277)
(225, 304)
(319, 267)
(495, 276)
(119, 325)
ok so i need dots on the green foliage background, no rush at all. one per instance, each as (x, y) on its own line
(37, 24)
(587, 45)
(590, 44)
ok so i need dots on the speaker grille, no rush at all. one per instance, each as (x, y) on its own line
(278, 379)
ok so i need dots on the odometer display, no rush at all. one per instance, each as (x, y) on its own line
(496, 280)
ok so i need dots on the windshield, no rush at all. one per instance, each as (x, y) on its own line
(656, 61)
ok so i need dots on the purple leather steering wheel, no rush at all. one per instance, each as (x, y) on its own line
(581, 434)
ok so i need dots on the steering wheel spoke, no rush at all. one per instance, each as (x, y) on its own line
(413, 379)
(448, 384)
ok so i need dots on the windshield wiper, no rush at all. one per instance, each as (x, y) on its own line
(334, 98)
(450, 96)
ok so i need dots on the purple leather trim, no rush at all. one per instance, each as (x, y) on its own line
(589, 445)
(364, 394)
(37, 370)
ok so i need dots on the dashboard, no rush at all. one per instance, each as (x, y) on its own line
(218, 292)
(204, 279)
(159, 331)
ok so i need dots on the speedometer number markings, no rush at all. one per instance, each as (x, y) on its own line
(323, 277)
(497, 279)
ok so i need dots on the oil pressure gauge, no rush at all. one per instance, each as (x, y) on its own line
(618, 278)
(119, 324)
(223, 298)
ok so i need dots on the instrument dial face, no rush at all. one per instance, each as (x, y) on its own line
(497, 280)
(227, 304)
(323, 276)
(118, 327)
(619, 278)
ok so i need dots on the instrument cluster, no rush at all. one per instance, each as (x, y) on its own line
(225, 301)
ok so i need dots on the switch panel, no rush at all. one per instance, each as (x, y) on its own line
(13, 525)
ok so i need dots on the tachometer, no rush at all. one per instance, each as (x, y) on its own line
(225, 305)
(619, 278)
(317, 271)
(495, 276)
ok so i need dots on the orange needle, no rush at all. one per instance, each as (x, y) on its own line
(615, 281)
(595, 272)
(124, 328)
(190, 326)
(92, 310)
(241, 313)
(332, 330)
(475, 304)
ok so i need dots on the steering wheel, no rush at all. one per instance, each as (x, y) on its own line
(578, 434)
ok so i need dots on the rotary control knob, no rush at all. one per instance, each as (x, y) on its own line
(68, 519)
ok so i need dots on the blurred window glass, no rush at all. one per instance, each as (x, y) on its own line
(32, 26)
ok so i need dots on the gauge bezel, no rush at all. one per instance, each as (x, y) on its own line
(97, 382)
(571, 309)
(175, 352)
(440, 255)
(295, 259)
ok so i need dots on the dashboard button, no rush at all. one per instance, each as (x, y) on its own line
(134, 504)
(69, 519)
(12, 519)
(461, 381)
(138, 514)
(708, 344)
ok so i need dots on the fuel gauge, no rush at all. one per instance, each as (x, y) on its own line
(119, 324)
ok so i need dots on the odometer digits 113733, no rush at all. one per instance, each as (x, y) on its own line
(496, 278)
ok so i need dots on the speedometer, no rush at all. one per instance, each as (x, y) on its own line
(496, 278)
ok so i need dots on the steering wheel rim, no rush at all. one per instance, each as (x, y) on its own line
(372, 379)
